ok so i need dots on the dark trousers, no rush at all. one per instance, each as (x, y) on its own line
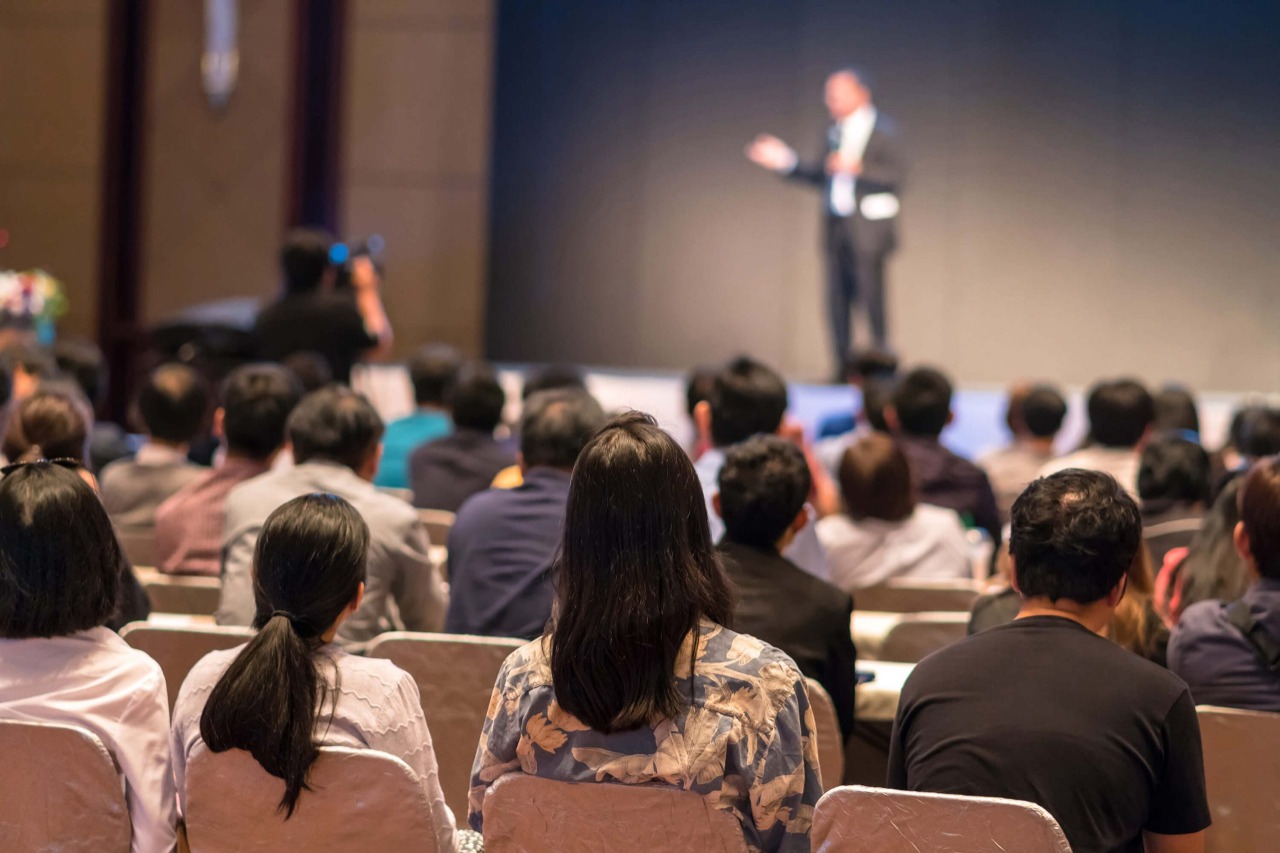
(852, 276)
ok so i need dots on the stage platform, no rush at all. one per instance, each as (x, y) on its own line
(978, 424)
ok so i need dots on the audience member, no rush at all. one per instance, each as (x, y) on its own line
(28, 366)
(1120, 415)
(447, 471)
(749, 399)
(171, 407)
(311, 368)
(551, 377)
(313, 317)
(868, 365)
(920, 410)
(60, 576)
(503, 540)
(884, 532)
(291, 689)
(1210, 567)
(433, 370)
(638, 681)
(763, 487)
(1174, 486)
(256, 402)
(1034, 416)
(1228, 652)
(1254, 434)
(1174, 410)
(336, 436)
(84, 362)
(697, 389)
(1045, 710)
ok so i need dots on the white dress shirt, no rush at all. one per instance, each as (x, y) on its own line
(855, 133)
(376, 706)
(929, 544)
(95, 680)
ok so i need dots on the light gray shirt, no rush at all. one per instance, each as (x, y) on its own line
(929, 544)
(133, 489)
(374, 705)
(399, 569)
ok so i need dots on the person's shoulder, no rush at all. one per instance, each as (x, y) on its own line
(1203, 617)
(381, 510)
(126, 663)
(116, 470)
(743, 676)
(527, 667)
(370, 676)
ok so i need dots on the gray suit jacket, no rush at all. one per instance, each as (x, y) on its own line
(399, 566)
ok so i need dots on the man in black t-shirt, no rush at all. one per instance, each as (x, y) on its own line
(1044, 709)
(313, 317)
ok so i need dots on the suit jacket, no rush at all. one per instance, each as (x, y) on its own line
(804, 616)
(883, 170)
(132, 491)
(446, 471)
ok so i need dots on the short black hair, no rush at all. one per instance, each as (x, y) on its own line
(256, 402)
(697, 386)
(747, 399)
(477, 399)
(1075, 533)
(922, 400)
(61, 568)
(877, 395)
(870, 364)
(1174, 469)
(433, 370)
(335, 424)
(555, 425)
(84, 362)
(1120, 411)
(1174, 407)
(304, 258)
(172, 403)
(311, 368)
(764, 483)
(37, 361)
(6, 383)
(553, 376)
(1255, 431)
(1043, 410)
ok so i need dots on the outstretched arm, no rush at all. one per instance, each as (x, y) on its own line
(777, 156)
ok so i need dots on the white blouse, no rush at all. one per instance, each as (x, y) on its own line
(95, 680)
(929, 544)
(377, 706)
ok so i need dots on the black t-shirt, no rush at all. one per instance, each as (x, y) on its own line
(321, 321)
(1042, 709)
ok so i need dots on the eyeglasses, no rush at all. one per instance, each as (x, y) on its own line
(62, 462)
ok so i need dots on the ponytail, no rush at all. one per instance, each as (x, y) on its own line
(266, 703)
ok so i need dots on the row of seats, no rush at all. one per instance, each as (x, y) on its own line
(361, 799)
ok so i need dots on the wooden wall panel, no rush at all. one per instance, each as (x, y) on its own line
(52, 64)
(415, 162)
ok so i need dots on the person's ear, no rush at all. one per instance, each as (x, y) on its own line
(1013, 575)
(219, 420)
(891, 418)
(702, 420)
(1241, 540)
(356, 602)
(370, 468)
(715, 502)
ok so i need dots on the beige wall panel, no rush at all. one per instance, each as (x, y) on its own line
(419, 12)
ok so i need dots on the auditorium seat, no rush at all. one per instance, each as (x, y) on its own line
(917, 635)
(526, 813)
(179, 649)
(827, 729)
(916, 596)
(1242, 774)
(405, 495)
(358, 799)
(855, 819)
(194, 594)
(455, 675)
(438, 523)
(80, 808)
(139, 548)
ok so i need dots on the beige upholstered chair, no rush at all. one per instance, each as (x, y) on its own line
(917, 635)
(526, 814)
(830, 739)
(139, 548)
(438, 523)
(359, 799)
(80, 808)
(455, 675)
(192, 594)
(179, 649)
(1242, 772)
(854, 819)
(915, 596)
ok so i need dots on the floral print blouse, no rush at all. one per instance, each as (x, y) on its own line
(745, 742)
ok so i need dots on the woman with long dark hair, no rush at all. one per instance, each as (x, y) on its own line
(290, 690)
(638, 680)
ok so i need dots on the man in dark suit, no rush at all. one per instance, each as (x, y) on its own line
(859, 175)
(763, 488)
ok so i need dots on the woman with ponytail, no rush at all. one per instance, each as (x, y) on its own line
(290, 690)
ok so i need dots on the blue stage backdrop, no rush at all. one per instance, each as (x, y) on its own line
(1094, 184)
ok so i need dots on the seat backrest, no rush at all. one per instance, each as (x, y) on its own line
(917, 635)
(912, 596)
(1242, 774)
(179, 649)
(530, 815)
(139, 548)
(190, 594)
(455, 674)
(359, 799)
(438, 523)
(77, 809)
(830, 739)
(855, 818)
